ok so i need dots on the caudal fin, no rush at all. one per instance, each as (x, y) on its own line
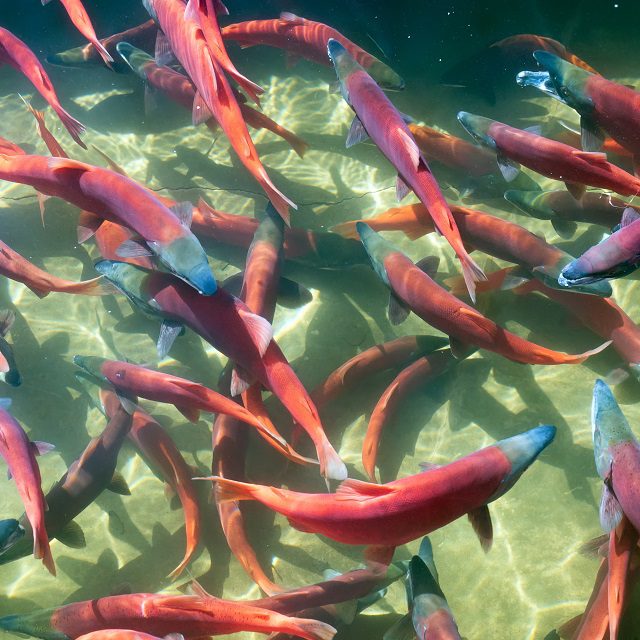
(299, 145)
(311, 629)
(42, 550)
(277, 198)
(72, 125)
(99, 286)
(331, 465)
(347, 229)
(472, 273)
(104, 54)
(230, 490)
(581, 357)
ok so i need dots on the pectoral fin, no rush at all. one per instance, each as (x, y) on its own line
(169, 331)
(480, 520)
(564, 228)
(508, 168)
(397, 311)
(591, 136)
(357, 133)
(610, 509)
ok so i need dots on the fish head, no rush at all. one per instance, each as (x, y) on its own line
(385, 76)
(13, 377)
(532, 203)
(478, 128)
(377, 248)
(343, 63)
(271, 228)
(431, 612)
(135, 58)
(541, 80)
(608, 427)
(634, 367)
(10, 532)
(569, 81)
(186, 259)
(91, 368)
(550, 276)
(521, 451)
(148, 5)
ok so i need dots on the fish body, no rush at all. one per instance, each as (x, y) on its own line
(430, 613)
(123, 634)
(603, 105)
(304, 38)
(560, 207)
(159, 615)
(548, 157)
(488, 233)
(371, 361)
(384, 124)
(142, 35)
(263, 267)
(228, 325)
(614, 257)
(617, 455)
(398, 512)
(414, 376)
(214, 94)
(189, 397)
(80, 18)
(453, 152)
(602, 315)
(207, 18)
(117, 198)
(156, 446)
(449, 314)
(86, 478)
(20, 455)
(178, 88)
(229, 453)
(317, 249)
(16, 53)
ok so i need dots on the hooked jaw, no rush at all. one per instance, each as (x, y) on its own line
(91, 368)
(376, 247)
(522, 450)
(135, 58)
(187, 260)
(477, 127)
(10, 532)
(567, 79)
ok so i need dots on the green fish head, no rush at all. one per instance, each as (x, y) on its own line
(478, 128)
(343, 63)
(91, 368)
(377, 248)
(385, 76)
(132, 281)
(135, 58)
(522, 450)
(568, 80)
(532, 203)
(549, 276)
(186, 259)
(608, 426)
(271, 228)
(10, 532)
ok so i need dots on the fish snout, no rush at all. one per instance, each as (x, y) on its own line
(335, 50)
(521, 451)
(202, 279)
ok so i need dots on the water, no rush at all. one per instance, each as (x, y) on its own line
(533, 579)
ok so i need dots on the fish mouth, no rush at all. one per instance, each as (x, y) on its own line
(335, 50)
(202, 279)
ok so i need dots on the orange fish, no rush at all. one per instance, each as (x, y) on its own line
(214, 96)
(82, 22)
(16, 53)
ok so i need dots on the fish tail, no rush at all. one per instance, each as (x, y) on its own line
(95, 287)
(42, 550)
(581, 357)
(347, 229)
(311, 629)
(277, 198)
(472, 273)
(231, 490)
(104, 54)
(73, 126)
(331, 465)
(299, 145)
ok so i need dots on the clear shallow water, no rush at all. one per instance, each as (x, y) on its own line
(532, 580)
